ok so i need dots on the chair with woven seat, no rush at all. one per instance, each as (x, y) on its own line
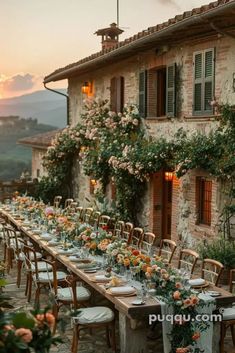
(93, 317)
(147, 243)
(212, 271)
(228, 315)
(167, 249)
(127, 231)
(187, 260)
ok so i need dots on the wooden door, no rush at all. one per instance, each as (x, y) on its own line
(166, 208)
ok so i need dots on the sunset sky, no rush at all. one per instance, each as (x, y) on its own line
(39, 36)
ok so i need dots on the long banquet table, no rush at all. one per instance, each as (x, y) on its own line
(133, 320)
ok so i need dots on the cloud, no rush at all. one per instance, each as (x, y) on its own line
(19, 83)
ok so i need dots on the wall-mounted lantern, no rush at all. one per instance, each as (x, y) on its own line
(93, 184)
(87, 88)
(169, 176)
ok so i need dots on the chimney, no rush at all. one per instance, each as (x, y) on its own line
(109, 36)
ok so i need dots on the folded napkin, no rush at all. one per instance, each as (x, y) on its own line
(196, 282)
(102, 278)
(122, 290)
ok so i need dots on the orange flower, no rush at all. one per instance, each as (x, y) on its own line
(48, 318)
(176, 295)
(196, 336)
(144, 267)
(25, 334)
(194, 300)
(147, 259)
(135, 252)
(187, 302)
(126, 262)
(135, 262)
(182, 350)
(149, 269)
(178, 285)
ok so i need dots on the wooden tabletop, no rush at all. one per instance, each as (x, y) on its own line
(122, 304)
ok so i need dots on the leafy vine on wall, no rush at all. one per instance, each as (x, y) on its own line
(119, 147)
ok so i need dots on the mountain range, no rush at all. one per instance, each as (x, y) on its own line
(46, 106)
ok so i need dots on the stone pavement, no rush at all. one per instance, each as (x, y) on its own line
(89, 343)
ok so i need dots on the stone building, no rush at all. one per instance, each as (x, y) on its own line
(39, 144)
(172, 71)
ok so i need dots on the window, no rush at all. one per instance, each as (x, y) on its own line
(38, 173)
(117, 94)
(157, 92)
(203, 200)
(204, 63)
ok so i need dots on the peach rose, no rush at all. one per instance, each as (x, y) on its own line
(126, 262)
(194, 300)
(187, 302)
(182, 350)
(176, 295)
(178, 285)
(48, 317)
(25, 334)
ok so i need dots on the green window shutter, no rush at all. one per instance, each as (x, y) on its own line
(143, 93)
(170, 90)
(204, 72)
(198, 83)
(209, 79)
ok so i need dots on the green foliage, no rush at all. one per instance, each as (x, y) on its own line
(220, 249)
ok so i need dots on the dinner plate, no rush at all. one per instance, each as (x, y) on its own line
(122, 291)
(91, 270)
(65, 252)
(196, 282)
(206, 284)
(213, 293)
(137, 302)
(46, 237)
(100, 279)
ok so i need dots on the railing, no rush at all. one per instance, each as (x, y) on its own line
(8, 188)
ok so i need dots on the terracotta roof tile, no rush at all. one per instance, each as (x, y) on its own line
(144, 33)
(40, 140)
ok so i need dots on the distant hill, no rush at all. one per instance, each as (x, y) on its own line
(48, 107)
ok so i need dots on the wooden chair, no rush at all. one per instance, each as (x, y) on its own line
(41, 275)
(118, 229)
(64, 295)
(127, 231)
(93, 317)
(136, 237)
(187, 260)
(95, 218)
(79, 211)
(228, 316)
(212, 271)
(87, 214)
(57, 201)
(71, 209)
(167, 249)
(67, 203)
(104, 221)
(147, 243)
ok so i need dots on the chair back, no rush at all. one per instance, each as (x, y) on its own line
(136, 237)
(167, 249)
(148, 240)
(127, 232)
(118, 229)
(12, 239)
(187, 260)
(67, 203)
(72, 207)
(95, 218)
(104, 221)
(87, 214)
(30, 260)
(79, 211)
(57, 201)
(232, 281)
(212, 270)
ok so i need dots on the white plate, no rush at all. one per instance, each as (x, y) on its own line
(90, 270)
(213, 293)
(196, 282)
(137, 302)
(65, 252)
(46, 237)
(122, 290)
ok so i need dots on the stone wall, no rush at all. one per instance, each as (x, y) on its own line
(37, 159)
(183, 219)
